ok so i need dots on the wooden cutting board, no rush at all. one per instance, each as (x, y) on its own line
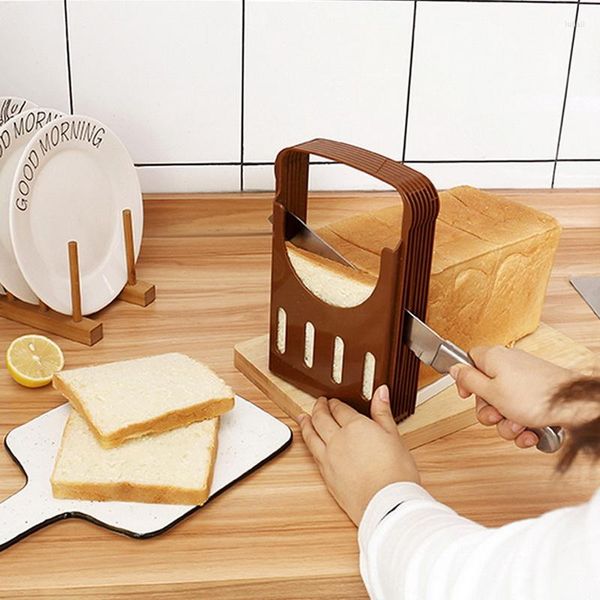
(443, 414)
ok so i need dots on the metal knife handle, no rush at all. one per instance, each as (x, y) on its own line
(447, 355)
(550, 438)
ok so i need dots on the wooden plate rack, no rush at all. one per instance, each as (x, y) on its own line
(76, 327)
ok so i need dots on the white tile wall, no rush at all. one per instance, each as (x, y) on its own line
(571, 174)
(581, 129)
(204, 93)
(187, 178)
(489, 174)
(166, 76)
(33, 62)
(325, 69)
(492, 84)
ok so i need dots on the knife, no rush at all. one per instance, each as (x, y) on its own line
(301, 235)
(441, 354)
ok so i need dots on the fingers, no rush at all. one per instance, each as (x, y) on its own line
(342, 413)
(470, 381)
(381, 411)
(486, 413)
(311, 438)
(322, 420)
(522, 437)
(508, 429)
(527, 439)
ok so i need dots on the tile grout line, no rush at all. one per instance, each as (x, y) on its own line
(243, 69)
(68, 49)
(234, 163)
(410, 66)
(450, 161)
(564, 105)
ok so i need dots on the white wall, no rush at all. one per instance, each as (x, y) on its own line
(204, 94)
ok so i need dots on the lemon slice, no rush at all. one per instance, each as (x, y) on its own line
(33, 359)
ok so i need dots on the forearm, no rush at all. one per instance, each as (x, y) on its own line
(401, 537)
(424, 550)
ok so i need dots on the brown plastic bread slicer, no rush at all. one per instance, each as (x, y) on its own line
(366, 340)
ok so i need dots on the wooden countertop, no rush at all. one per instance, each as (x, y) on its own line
(277, 534)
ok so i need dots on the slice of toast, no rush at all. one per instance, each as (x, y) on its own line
(127, 399)
(174, 467)
(330, 281)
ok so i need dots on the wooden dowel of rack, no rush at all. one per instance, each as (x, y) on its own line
(9, 296)
(135, 291)
(75, 284)
(129, 254)
(43, 306)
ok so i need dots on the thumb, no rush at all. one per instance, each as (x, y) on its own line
(470, 381)
(381, 411)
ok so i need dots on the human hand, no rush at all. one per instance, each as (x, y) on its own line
(513, 390)
(357, 456)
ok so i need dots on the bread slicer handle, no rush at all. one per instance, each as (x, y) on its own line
(23, 513)
(550, 438)
(291, 169)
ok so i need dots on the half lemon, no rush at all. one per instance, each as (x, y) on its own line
(33, 359)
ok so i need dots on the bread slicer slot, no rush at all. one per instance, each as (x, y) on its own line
(337, 366)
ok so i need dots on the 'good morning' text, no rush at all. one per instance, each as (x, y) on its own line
(61, 132)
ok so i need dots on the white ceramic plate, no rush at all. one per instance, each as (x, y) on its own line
(11, 106)
(14, 136)
(73, 182)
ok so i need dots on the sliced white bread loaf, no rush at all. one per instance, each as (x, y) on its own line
(175, 467)
(127, 399)
(492, 258)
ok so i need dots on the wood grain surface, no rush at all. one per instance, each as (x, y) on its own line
(441, 415)
(278, 534)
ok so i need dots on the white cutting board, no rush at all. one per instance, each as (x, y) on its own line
(248, 437)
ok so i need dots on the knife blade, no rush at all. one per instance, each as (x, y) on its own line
(589, 289)
(441, 354)
(301, 235)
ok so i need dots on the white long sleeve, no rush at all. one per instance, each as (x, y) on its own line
(415, 548)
